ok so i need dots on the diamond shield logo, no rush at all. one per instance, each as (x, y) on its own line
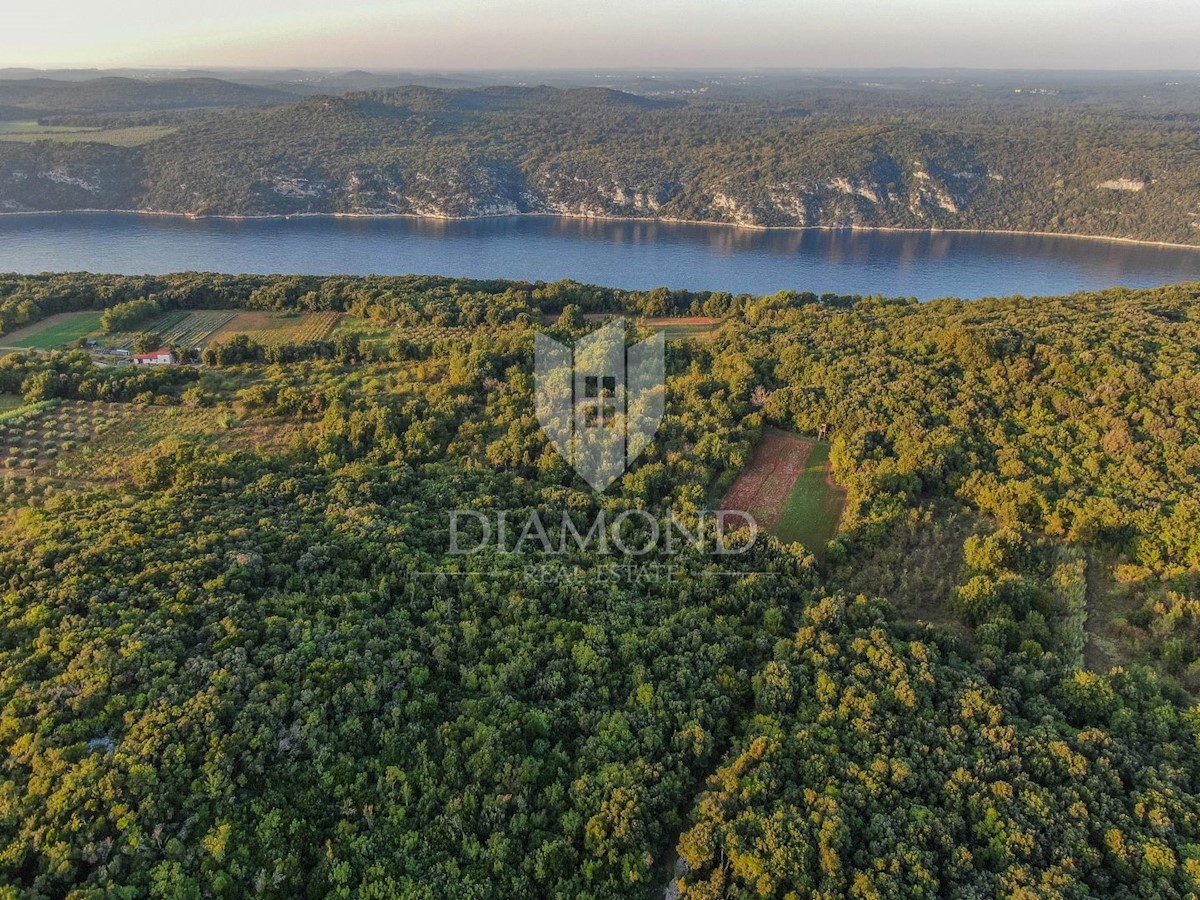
(601, 405)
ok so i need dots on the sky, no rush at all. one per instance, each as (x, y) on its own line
(527, 34)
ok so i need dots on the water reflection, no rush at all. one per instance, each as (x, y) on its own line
(638, 254)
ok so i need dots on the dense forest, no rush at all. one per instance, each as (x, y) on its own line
(238, 657)
(1119, 162)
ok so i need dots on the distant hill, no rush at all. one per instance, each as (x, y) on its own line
(44, 96)
(835, 153)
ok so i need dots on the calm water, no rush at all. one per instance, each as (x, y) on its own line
(620, 254)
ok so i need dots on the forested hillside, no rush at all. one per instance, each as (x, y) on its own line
(40, 97)
(238, 657)
(837, 156)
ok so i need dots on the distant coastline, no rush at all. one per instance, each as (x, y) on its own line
(585, 218)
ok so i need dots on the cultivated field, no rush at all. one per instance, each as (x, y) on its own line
(53, 444)
(187, 329)
(35, 438)
(195, 328)
(789, 491)
(54, 331)
(278, 327)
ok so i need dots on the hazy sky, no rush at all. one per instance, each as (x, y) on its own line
(446, 34)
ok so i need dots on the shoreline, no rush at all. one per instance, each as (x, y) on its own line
(896, 229)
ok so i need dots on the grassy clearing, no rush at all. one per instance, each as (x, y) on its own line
(55, 331)
(674, 328)
(26, 132)
(374, 332)
(814, 505)
(9, 402)
(699, 328)
(135, 429)
(279, 327)
(366, 331)
(112, 455)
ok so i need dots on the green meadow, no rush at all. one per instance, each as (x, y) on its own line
(54, 332)
(814, 505)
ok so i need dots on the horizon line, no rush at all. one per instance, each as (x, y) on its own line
(598, 68)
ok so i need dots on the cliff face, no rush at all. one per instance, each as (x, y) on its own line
(50, 176)
(67, 177)
(113, 179)
(841, 201)
(446, 154)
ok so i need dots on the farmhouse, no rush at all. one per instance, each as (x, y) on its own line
(161, 357)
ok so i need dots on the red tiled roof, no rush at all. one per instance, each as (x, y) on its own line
(154, 354)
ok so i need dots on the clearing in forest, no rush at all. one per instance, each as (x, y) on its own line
(54, 331)
(278, 327)
(789, 490)
(683, 328)
(58, 443)
(29, 130)
(185, 328)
